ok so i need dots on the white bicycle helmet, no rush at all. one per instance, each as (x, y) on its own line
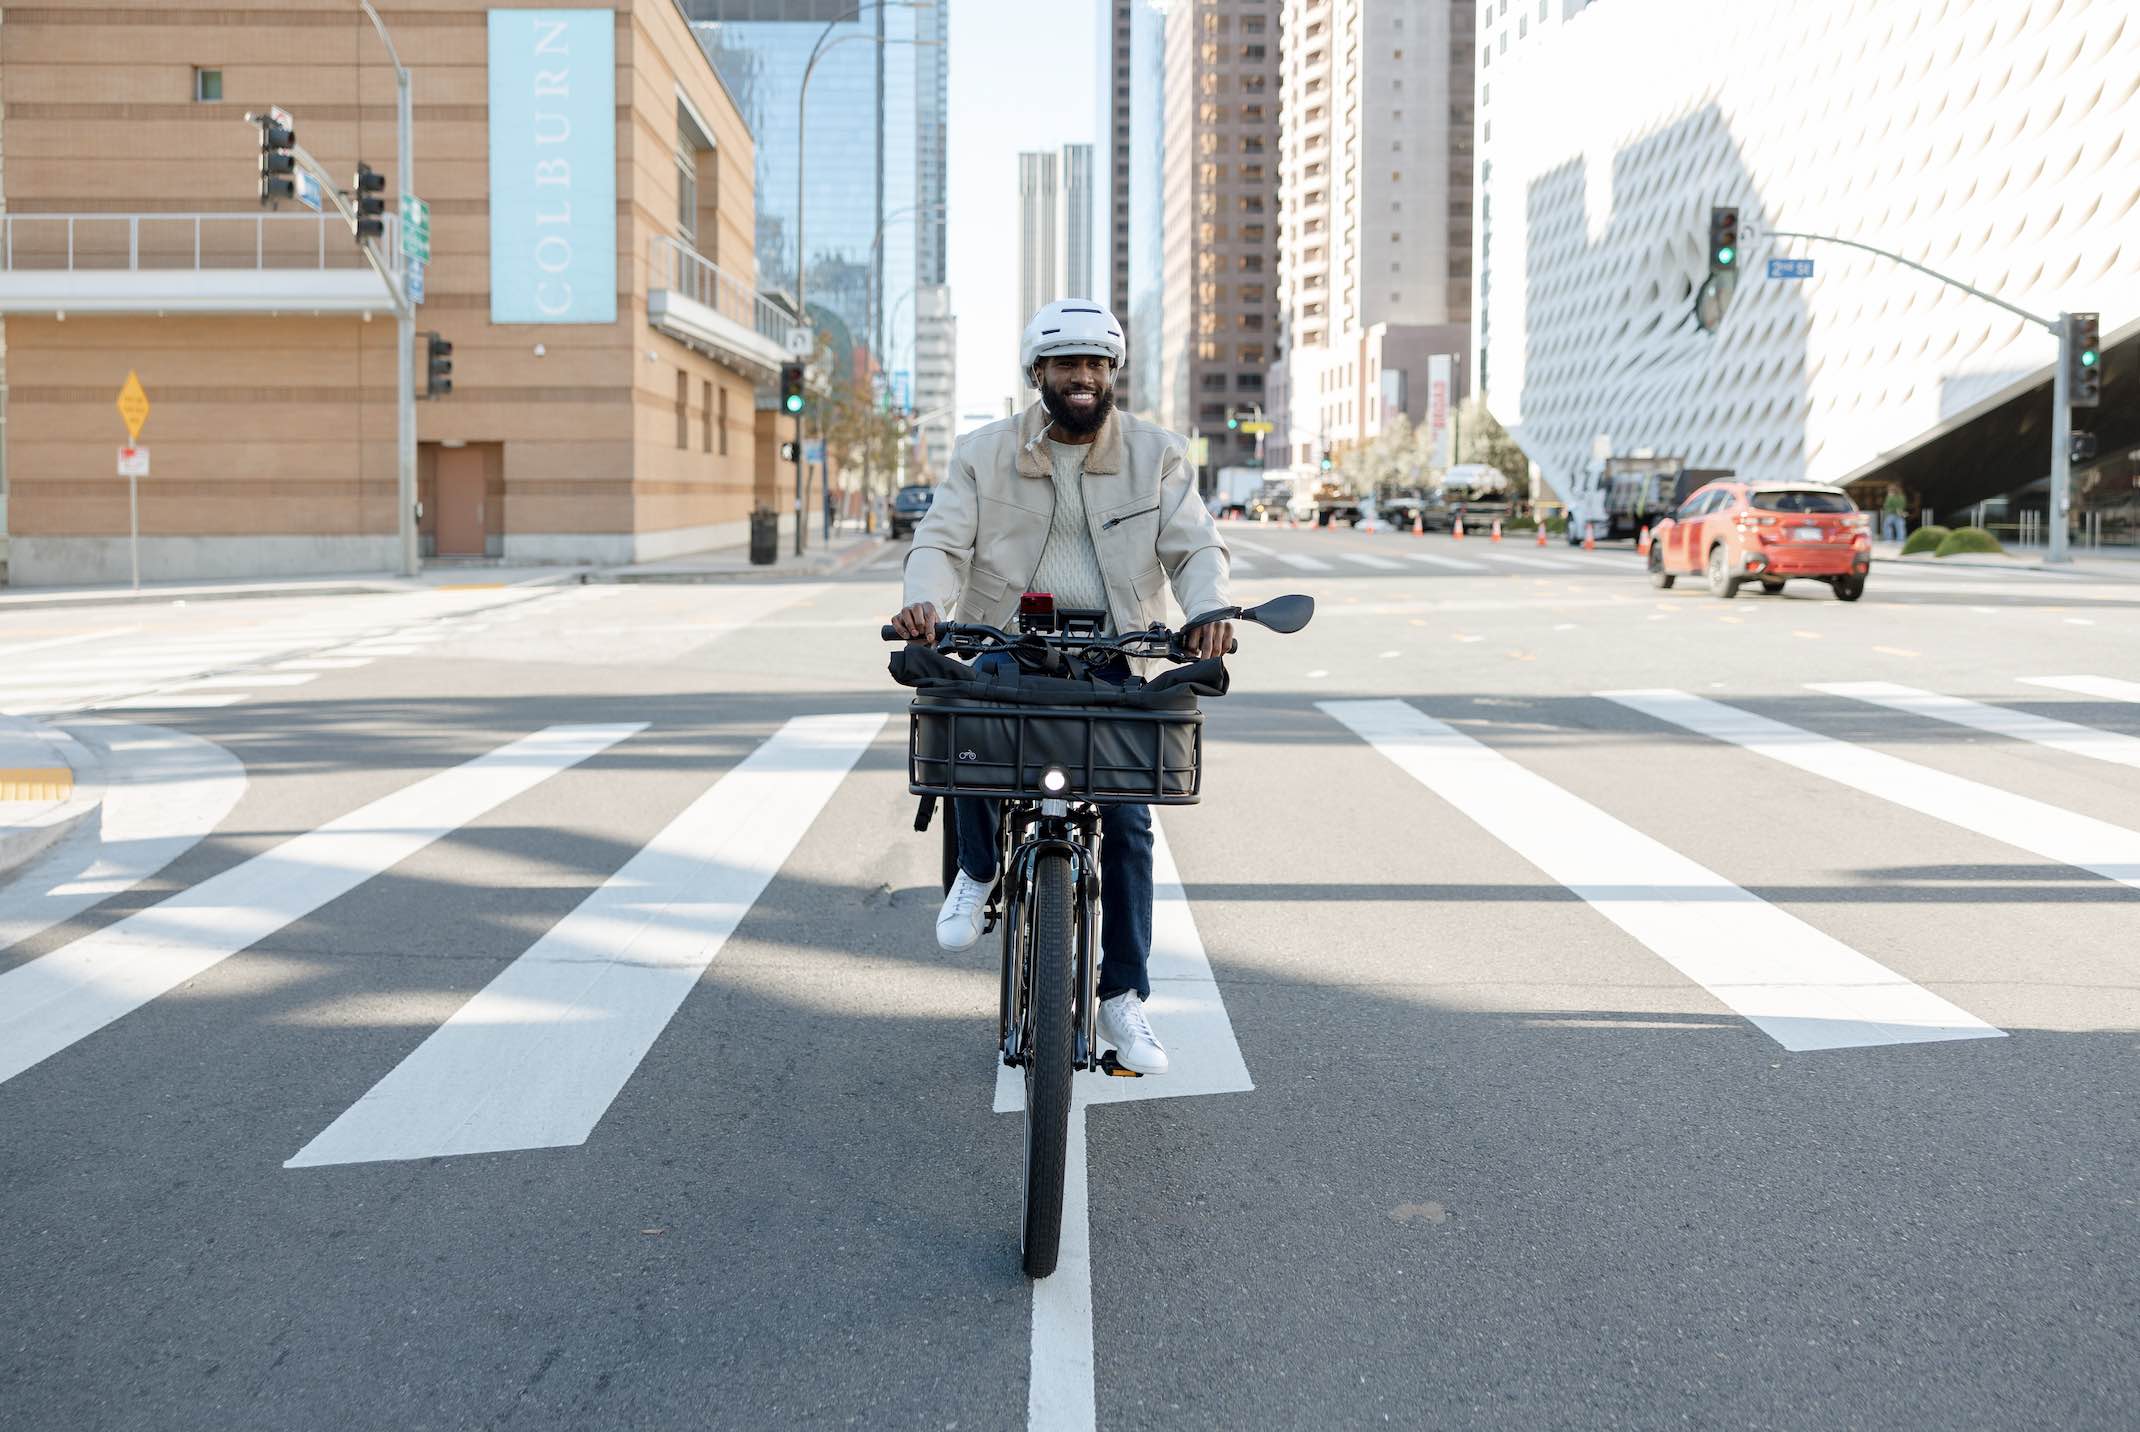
(1069, 325)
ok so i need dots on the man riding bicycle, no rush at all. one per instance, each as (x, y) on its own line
(1077, 499)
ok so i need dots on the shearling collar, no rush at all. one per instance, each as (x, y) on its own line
(1105, 456)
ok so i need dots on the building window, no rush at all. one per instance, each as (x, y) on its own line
(1214, 382)
(683, 410)
(207, 86)
(720, 440)
(687, 197)
(705, 415)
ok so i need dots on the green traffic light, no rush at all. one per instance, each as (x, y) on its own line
(794, 402)
(2088, 357)
(1726, 254)
(1232, 423)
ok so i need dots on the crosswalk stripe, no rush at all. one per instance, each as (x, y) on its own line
(189, 702)
(51, 1002)
(1247, 546)
(1800, 986)
(1514, 559)
(2110, 851)
(2064, 736)
(2109, 687)
(18, 648)
(1204, 1056)
(324, 663)
(1367, 559)
(258, 678)
(1302, 563)
(536, 1058)
(1452, 564)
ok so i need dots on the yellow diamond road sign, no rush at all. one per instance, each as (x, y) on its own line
(133, 405)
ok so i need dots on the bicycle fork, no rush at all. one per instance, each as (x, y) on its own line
(1058, 829)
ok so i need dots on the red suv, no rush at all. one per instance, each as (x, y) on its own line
(1737, 532)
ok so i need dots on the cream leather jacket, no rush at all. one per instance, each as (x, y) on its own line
(978, 548)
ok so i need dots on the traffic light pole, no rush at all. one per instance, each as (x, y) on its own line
(405, 323)
(2061, 417)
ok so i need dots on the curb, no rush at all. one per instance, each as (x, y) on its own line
(853, 556)
(2031, 569)
(354, 587)
(81, 800)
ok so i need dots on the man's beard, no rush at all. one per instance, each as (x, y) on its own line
(1071, 421)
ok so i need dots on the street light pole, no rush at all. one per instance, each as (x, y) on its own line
(404, 324)
(802, 153)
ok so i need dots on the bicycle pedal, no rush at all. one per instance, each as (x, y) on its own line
(1113, 1066)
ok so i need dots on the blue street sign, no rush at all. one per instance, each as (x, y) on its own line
(1790, 268)
(415, 279)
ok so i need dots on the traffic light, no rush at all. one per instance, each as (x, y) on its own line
(2082, 447)
(1233, 419)
(370, 187)
(278, 166)
(791, 387)
(2084, 360)
(438, 366)
(1723, 239)
(789, 452)
(1328, 464)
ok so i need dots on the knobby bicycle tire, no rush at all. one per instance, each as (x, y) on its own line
(1050, 973)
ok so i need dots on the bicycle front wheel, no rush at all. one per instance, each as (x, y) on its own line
(1050, 976)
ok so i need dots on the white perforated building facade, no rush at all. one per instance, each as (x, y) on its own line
(1990, 139)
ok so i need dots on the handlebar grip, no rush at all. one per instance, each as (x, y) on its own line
(890, 635)
(1233, 645)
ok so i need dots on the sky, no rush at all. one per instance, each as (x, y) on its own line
(1023, 76)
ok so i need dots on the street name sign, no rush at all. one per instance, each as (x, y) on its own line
(308, 191)
(415, 279)
(133, 405)
(415, 228)
(1790, 268)
(1255, 427)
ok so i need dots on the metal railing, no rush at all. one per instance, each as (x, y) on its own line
(133, 242)
(683, 270)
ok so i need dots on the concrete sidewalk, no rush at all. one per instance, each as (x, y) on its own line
(48, 787)
(846, 550)
(2108, 564)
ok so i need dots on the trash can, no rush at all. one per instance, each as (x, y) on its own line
(764, 537)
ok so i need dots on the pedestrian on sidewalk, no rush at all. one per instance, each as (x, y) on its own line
(1893, 512)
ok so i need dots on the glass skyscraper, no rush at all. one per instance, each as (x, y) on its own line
(872, 215)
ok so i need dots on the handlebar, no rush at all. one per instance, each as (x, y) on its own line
(979, 637)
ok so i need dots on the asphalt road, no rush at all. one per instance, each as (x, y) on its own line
(1745, 1055)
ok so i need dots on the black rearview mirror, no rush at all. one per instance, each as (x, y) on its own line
(1282, 614)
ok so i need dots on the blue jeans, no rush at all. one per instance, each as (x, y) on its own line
(1891, 526)
(1125, 868)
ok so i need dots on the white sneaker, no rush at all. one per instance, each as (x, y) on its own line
(1122, 1024)
(958, 924)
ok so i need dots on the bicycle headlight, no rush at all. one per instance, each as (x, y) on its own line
(1055, 780)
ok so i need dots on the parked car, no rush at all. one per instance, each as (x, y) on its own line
(909, 507)
(1736, 532)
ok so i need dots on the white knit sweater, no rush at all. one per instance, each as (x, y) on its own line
(1069, 565)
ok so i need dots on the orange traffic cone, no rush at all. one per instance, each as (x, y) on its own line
(1642, 541)
(1589, 541)
(1541, 532)
(1497, 529)
(1419, 524)
(1457, 531)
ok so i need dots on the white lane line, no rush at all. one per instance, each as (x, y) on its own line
(2109, 688)
(2067, 736)
(171, 703)
(163, 790)
(1303, 564)
(2110, 851)
(324, 663)
(369, 649)
(537, 1057)
(1452, 564)
(1366, 559)
(18, 648)
(1803, 988)
(53, 1001)
(257, 678)
(1190, 1016)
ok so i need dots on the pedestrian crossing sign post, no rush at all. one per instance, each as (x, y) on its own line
(133, 404)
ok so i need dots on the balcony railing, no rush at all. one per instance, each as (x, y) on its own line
(188, 263)
(677, 271)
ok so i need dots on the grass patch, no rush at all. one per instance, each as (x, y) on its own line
(1925, 539)
(1967, 539)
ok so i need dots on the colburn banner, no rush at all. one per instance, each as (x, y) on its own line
(553, 166)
